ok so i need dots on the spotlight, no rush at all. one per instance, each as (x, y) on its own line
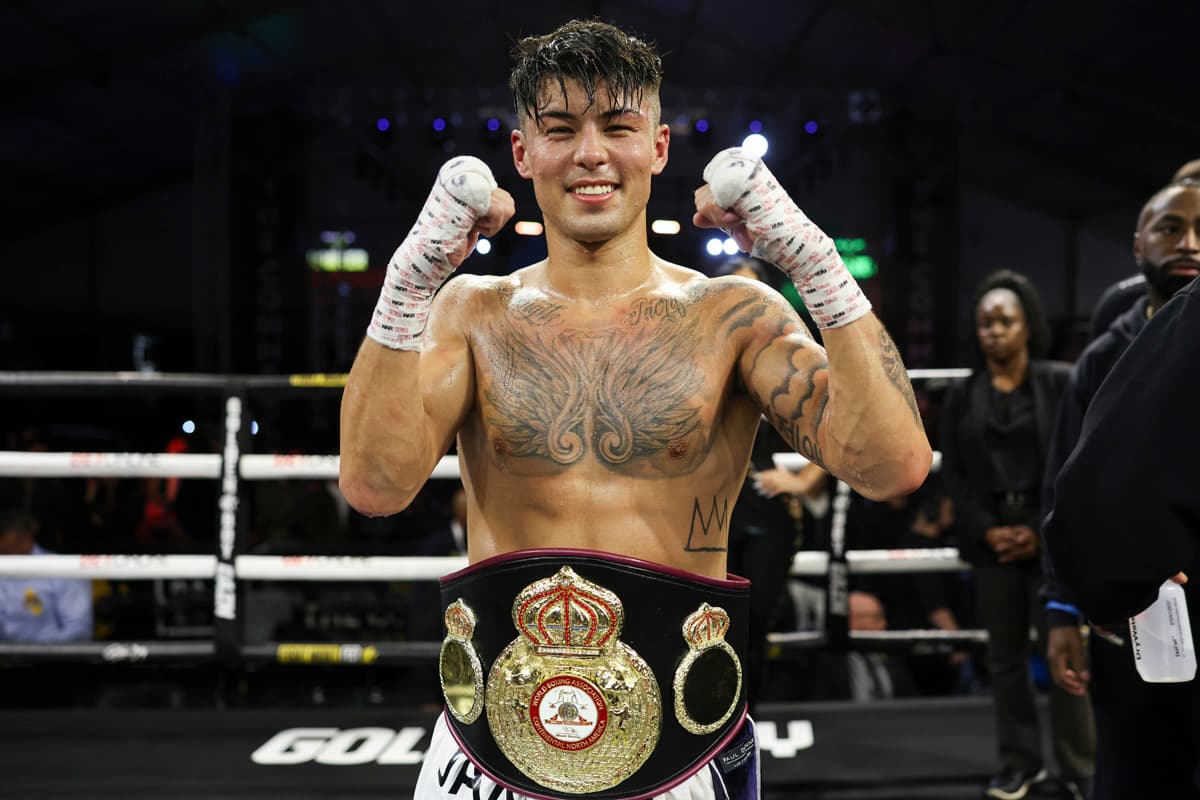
(490, 131)
(730, 247)
(715, 246)
(755, 126)
(528, 228)
(665, 227)
(755, 144)
(189, 426)
(383, 133)
(441, 133)
(811, 127)
(483, 246)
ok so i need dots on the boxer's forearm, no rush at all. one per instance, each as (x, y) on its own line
(389, 442)
(384, 432)
(871, 433)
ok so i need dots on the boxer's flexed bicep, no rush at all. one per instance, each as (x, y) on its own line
(447, 377)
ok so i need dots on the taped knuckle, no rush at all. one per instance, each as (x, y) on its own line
(469, 180)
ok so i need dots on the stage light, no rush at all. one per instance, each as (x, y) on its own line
(254, 427)
(811, 127)
(715, 246)
(701, 126)
(490, 131)
(439, 124)
(382, 124)
(755, 126)
(527, 228)
(730, 247)
(755, 144)
(666, 227)
(189, 426)
(483, 246)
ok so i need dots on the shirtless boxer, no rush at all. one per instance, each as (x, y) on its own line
(604, 403)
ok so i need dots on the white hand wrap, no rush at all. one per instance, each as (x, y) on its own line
(784, 236)
(421, 264)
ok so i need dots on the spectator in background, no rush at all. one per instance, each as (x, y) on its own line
(915, 600)
(995, 429)
(1133, 750)
(1118, 297)
(39, 609)
(1126, 517)
(862, 675)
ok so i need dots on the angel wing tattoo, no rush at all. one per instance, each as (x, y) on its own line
(620, 394)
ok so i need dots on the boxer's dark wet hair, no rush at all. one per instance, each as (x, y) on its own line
(1031, 303)
(588, 52)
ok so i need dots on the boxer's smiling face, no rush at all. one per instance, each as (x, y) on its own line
(591, 165)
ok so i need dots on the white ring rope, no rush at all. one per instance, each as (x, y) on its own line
(108, 566)
(253, 467)
(347, 568)
(23, 464)
(261, 467)
(395, 568)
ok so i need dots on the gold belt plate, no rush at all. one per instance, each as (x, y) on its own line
(570, 705)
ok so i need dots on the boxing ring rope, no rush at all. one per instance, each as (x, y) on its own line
(227, 567)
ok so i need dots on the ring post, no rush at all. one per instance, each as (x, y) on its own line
(837, 600)
(227, 629)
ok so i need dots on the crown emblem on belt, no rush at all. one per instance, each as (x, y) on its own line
(568, 615)
(460, 621)
(705, 626)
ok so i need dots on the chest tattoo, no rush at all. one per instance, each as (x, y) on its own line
(620, 393)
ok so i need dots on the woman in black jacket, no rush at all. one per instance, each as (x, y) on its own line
(995, 426)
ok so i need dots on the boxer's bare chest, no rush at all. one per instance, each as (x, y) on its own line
(636, 387)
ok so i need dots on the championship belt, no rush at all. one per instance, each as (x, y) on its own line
(574, 673)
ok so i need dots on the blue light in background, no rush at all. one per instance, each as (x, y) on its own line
(810, 127)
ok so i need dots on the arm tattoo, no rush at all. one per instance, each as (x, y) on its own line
(795, 388)
(713, 522)
(617, 395)
(743, 315)
(893, 367)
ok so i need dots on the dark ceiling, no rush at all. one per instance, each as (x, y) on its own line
(1075, 110)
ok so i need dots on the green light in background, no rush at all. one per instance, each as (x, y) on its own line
(861, 267)
(332, 260)
(854, 252)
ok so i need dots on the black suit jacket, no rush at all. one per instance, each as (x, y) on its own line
(966, 464)
(1127, 502)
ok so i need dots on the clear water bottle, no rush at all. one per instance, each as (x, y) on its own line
(1162, 638)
